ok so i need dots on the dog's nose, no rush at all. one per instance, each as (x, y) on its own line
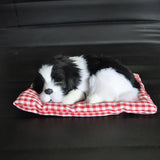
(48, 91)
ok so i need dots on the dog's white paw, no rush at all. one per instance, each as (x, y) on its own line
(94, 99)
(68, 100)
(73, 97)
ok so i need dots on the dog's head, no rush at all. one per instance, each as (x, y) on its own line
(55, 79)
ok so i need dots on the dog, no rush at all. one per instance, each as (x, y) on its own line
(93, 79)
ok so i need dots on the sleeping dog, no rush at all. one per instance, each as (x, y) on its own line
(94, 79)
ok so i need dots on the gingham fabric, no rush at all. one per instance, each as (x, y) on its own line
(30, 102)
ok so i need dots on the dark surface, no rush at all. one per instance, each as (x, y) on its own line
(27, 39)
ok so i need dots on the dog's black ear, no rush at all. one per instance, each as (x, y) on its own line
(38, 83)
(72, 78)
(65, 72)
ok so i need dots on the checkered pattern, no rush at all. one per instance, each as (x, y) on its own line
(30, 102)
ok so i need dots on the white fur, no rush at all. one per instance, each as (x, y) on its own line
(108, 85)
(73, 96)
(45, 71)
(57, 95)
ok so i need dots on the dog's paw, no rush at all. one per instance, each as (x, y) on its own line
(94, 99)
(68, 100)
(73, 97)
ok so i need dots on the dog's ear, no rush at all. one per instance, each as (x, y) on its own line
(66, 73)
(38, 83)
(72, 78)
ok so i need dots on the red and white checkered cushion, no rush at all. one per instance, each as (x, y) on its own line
(30, 102)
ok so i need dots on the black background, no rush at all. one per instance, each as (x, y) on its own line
(32, 31)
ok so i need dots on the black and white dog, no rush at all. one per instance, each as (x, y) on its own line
(72, 79)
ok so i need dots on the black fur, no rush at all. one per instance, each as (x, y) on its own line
(97, 63)
(38, 83)
(65, 73)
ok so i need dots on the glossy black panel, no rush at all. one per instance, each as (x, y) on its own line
(124, 29)
(8, 16)
(51, 12)
(82, 34)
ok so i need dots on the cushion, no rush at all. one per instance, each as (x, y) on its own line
(30, 102)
